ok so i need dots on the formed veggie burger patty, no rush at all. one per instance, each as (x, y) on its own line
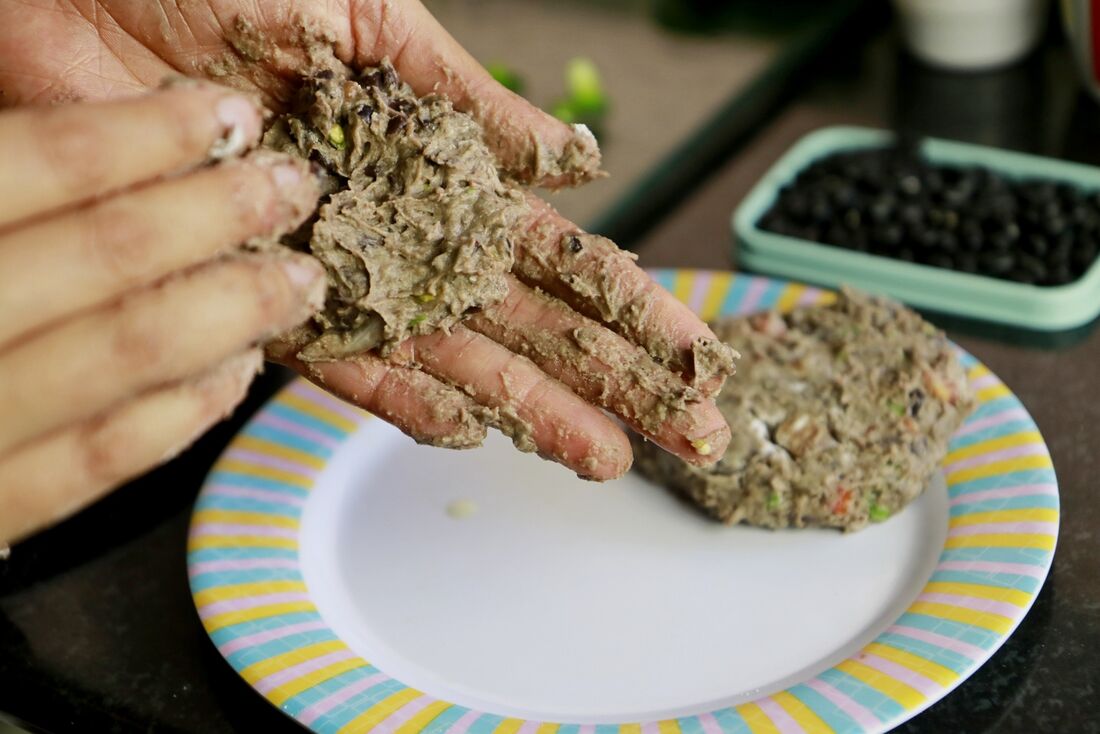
(840, 415)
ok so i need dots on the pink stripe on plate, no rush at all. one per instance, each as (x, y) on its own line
(985, 381)
(699, 288)
(978, 604)
(389, 724)
(932, 638)
(314, 395)
(312, 712)
(1013, 452)
(855, 710)
(236, 528)
(250, 602)
(275, 462)
(900, 673)
(264, 685)
(997, 419)
(586, 729)
(782, 720)
(260, 638)
(1020, 490)
(253, 493)
(650, 727)
(281, 424)
(1000, 528)
(239, 564)
(809, 296)
(709, 723)
(751, 301)
(528, 727)
(1018, 569)
(464, 722)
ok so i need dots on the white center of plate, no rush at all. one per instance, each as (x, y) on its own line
(501, 582)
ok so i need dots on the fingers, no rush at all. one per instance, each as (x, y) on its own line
(55, 475)
(605, 369)
(422, 407)
(95, 253)
(603, 282)
(150, 338)
(534, 147)
(537, 412)
(72, 153)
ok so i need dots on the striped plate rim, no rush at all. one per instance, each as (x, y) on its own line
(253, 601)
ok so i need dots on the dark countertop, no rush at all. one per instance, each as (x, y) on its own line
(97, 630)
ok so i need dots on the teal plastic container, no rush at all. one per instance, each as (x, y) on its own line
(1044, 308)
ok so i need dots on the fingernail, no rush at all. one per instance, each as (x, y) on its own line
(240, 119)
(308, 277)
(287, 176)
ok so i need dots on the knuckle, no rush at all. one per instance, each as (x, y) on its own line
(67, 143)
(103, 452)
(118, 239)
(139, 343)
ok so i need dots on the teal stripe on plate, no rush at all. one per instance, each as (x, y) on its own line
(967, 359)
(735, 295)
(569, 729)
(993, 407)
(486, 723)
(218, 554)
(771, 294)
(664, 278)
(298, 703)
(297, 416)
(251, 655)
(213, 579)
(247, 480)
(1027, 584)
(1023, 502)
(208, 501)
(949, 659)
(688, 725)
(837, 720)
(731, 721)
(979, 636)
(252, 626)
(357, 704)
(1008, 479)
(1004, 429)
(1033, 556)
(267, 433)
(881, 705)
(445, 720)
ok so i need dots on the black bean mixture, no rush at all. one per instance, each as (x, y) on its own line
(894, 202)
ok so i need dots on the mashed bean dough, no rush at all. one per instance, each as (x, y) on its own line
(840, 416)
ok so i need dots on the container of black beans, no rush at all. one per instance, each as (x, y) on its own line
(951, 227)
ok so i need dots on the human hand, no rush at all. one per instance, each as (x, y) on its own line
(558, 392)
(125, 329)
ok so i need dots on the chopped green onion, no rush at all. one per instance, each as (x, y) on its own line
(420, 318)
(878, 512)
(773, 501)
(897, 409)
(336, 136)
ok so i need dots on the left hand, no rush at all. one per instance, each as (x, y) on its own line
(53, 50)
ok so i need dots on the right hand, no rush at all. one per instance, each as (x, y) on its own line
(125, 329)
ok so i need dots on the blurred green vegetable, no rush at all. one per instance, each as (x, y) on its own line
(506, 76)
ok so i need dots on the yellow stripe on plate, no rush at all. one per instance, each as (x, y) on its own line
(917, 664)
(311, 408)
(715, 295)
(985, 620)
(379, 711)
(1023, 438)
(236, 591)
(282, 661)
(682, 284)
(668, 726)
(228, 619)
(906, 695)
(244, 518)
(826, 298)
(979, 591)
(758, 721)
(290, 689)
(788, 299)
(251, 443)
(508, 726)
(1002, 540)
(978, 370)
(810, 722)
(238, 466)
(200, 542)
(994, 468)
(992, 393)
(1028, 514)
(423, 717)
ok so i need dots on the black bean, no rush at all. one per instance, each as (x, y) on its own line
(365, 112)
